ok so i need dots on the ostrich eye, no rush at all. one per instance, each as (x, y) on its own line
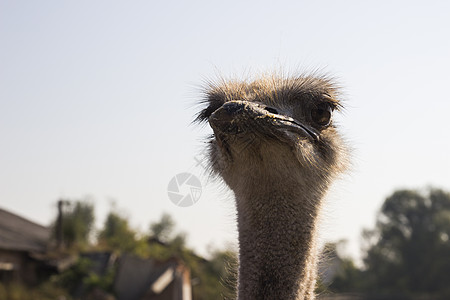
(321, 114)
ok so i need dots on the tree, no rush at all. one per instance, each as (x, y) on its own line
(214, 278)
(338, 272)
(168, 244)
(223, 270)
(77, 220)
(117, 234)
(408, 252)
(162, 230)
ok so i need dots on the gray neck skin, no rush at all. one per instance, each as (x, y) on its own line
(277, 240)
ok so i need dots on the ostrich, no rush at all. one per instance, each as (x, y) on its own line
(276, 147)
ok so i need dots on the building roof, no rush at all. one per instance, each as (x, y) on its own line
(20, 234)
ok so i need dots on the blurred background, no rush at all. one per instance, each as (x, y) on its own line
(97, 100)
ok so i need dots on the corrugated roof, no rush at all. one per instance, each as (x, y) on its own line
(18, 233)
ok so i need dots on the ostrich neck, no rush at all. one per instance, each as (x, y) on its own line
(277, 225)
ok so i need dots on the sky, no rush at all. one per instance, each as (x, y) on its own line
(97, 99)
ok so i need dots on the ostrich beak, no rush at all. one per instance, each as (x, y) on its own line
(233, 116)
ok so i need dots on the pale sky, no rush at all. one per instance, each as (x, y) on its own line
(96, 99)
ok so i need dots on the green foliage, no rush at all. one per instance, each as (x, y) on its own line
(407, 255)
(163, 229)
(411, 254)
(216, 278)
(77, 223)
(347, 277)
(81, 277)
(44, 291)
(103, 282)
(74, 276)
(224, 265)
(117, 234)
(213, 279)
(164, 243)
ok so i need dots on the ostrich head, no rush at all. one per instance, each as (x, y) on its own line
(274, 125)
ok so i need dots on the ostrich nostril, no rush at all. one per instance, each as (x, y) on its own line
(232, 107)
(271, 110)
